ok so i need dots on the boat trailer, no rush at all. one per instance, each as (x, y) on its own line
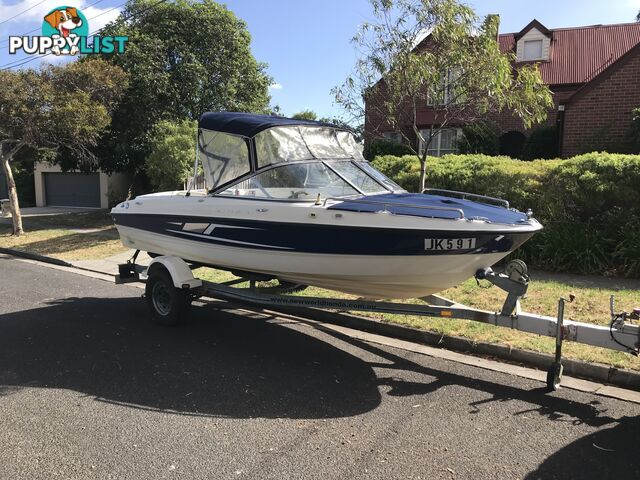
(171, 286)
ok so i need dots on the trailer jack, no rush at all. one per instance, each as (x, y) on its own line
(514, 281)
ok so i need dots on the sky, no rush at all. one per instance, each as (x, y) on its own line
(306, 43)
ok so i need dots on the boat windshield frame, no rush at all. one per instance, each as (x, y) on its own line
(328, 163)
(386, 184)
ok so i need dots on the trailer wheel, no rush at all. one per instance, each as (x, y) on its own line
(168, 304)
(554, 377)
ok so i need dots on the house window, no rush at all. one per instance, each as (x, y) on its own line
(444, 92)
(393, 137)
(443, 142)
(533, 50)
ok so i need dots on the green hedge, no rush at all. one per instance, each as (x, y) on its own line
(589, 205)
(378, 147)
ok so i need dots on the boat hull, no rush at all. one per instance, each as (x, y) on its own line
(405, 274)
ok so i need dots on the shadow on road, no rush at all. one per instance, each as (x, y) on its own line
(609, 453)
(225, 364)
(552, 406)
(232, 366)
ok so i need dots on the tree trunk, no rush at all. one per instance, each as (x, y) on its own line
(16, 216)
(423, 174)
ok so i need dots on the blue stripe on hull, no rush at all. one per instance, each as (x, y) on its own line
(327, 239)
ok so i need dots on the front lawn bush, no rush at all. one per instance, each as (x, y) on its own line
(589, 205)
(542, 143)
(480, 137)
(378, 147)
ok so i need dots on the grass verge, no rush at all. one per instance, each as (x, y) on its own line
(74, 236)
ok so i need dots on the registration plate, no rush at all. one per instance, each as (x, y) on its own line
(445, 244)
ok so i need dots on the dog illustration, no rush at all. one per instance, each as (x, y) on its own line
(64, 20)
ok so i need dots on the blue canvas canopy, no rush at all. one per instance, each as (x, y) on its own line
(250, 124)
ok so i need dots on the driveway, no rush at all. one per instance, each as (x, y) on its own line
(89, 388)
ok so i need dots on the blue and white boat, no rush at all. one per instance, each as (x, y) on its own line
(295, 200)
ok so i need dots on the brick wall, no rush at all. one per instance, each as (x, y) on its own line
(506, 121)
(599, 116)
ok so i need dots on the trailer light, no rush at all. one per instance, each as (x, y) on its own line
(446, 313)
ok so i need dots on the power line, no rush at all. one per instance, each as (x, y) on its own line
(23, 61)
(24, 11)
(2, 42)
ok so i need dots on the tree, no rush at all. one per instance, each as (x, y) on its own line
(439, 53)
(173, 149)
(60, 112)
(358, 130)
(638, 17)
(305, 115)
(184, 58)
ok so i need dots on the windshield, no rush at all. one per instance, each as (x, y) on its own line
(294, 162)
(380, 177)
(298, 181)
(307, 180)
(294, 143)
(223, 157)
(356, 177)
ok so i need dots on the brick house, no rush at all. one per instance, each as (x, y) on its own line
(593, 73)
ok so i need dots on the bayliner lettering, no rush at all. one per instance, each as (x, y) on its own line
(449, 243)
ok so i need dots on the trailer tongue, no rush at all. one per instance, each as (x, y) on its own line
(171, 287)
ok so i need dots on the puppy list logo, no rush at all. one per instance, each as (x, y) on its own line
(65, 31)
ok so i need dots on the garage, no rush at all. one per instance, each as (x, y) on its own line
(72, 189)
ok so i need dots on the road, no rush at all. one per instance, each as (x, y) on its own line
(89, 388)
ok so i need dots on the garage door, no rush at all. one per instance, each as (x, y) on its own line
(72, 189)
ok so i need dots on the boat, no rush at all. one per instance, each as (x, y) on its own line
(295, 200)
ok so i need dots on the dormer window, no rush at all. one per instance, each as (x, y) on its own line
(532, 50)
(533, 43)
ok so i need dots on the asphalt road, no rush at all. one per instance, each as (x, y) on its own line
(89, 388)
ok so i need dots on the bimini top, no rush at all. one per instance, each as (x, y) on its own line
(250, 124)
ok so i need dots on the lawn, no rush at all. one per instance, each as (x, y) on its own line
(91, 235)
(74, 236)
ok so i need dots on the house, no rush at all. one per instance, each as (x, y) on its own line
(593, 73)
(53, 187)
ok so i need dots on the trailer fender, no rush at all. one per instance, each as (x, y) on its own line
(180, 272)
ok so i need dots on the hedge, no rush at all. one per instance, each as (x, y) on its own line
(589, 205)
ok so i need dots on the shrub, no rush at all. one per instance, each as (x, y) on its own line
(170, 162)
(376, 148)
(511, 143)
(479, 138)
(542, 143)
(589, 205)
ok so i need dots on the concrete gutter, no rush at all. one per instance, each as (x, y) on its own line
(596, 372)
(35, 256)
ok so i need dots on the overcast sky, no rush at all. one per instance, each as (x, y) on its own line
(306, 43)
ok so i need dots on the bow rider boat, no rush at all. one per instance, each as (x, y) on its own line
(295, 200)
